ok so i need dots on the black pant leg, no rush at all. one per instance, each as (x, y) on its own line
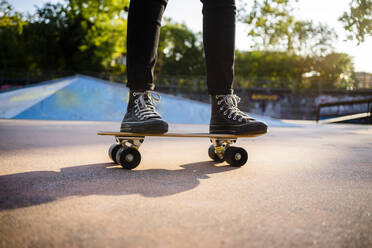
(219, 44)
(144, 21)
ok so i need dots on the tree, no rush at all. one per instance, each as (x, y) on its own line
(104, 26)
(335, 71)
(268, 21)
(358, 21)
(180, 50)
(273, 26)
(309, 39)
(272, 69)
(11, 30)
(78, 35)
(44, 39)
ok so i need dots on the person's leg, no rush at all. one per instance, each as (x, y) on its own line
(219, 44)
(144, 21)
(219, 47)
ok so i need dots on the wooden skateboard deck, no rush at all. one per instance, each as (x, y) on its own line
(179, 135)
(126, 149)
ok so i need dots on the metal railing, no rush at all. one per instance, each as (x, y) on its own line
(367, 113)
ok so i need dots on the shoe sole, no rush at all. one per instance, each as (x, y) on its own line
(155, 127)
(244, 129)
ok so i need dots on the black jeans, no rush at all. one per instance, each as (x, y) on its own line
(144, 21)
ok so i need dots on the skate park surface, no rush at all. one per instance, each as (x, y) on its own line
(304, 185)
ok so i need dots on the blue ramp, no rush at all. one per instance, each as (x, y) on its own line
(92, 99)
(87, 98)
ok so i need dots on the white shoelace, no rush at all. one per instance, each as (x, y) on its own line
(231, 102)
(145, 107)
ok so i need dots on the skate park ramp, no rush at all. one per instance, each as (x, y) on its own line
(91, 99)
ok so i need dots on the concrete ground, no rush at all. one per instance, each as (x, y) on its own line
(302, 186)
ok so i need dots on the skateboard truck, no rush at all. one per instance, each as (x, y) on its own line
(134, 142)
(220, 146)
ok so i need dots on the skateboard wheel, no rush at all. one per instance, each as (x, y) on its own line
(128, 157)
(114, 148)
(212, 154)
(236, 156)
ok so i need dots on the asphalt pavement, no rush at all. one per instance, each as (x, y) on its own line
(303, 186)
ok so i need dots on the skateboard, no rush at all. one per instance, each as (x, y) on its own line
(126, 149)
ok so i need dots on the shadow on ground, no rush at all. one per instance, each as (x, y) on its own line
(33, 188)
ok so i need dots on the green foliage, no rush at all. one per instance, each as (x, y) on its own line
(358, 21)
(89, 35)
(180, 51)
(270, 69)
(11, 29)
(287, 70)
(43, 39)
(307, 58)
(9, 18)
(104, 26)
(269, 21)
(335, 71)
(307, 38)
(79, 35)
(273, 27)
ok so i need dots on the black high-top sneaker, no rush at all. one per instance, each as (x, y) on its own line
(226, 118)
(141, 116)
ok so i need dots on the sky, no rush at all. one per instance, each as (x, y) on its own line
(326, 11)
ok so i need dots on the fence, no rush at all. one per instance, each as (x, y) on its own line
(346, 111)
